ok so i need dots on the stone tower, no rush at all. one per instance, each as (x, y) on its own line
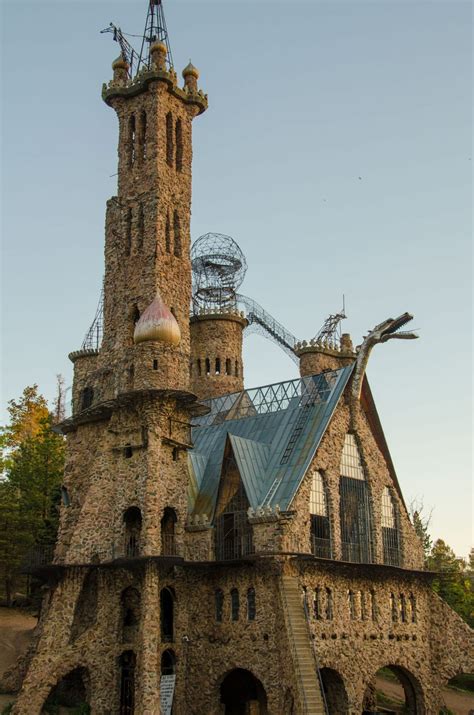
(321, 356)
(216, 353)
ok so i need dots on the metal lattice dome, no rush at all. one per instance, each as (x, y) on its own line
(219, 267)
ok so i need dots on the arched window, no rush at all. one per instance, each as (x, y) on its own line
(199, 368)
(87, 397)
(363, 606)
(167, 599)
(208, 366)
(219, 604)
(228, 367)
(128, 232)
(177, 234)
(85, 612)
(218, 366)
(168, 522)
(412, 600)
(179, 145)
(352, 605)
(403, 608)
(317, 604)
(168, 662)
(169, 139)
(130, 602)
(356, 532)
(131, 140)
(234, 604)
(251, 607)
(390, 531)
(140, 227)
(66, 501)
(143, 134)
(127, 662)
(168, 235)
(318, 509)
(132, 519)
(373, 605)
(329, 604)
(393, 608)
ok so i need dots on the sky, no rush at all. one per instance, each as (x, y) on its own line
(336, 151)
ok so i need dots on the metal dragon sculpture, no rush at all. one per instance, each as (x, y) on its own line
(383, 332)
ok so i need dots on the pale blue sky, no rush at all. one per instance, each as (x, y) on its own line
(304, 97)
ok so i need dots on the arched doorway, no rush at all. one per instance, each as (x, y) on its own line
(335, 691)
(72, 691)
(168, 662)
(396, 690)
(127, 662)
(132, 519)
(130, 613)
(167, 599)
(243, 694)
(168, 522)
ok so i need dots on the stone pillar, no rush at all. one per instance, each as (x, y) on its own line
(216, 354)
(148, 676)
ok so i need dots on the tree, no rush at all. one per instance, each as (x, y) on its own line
(453, 582)
(32, 463)
(421, 523)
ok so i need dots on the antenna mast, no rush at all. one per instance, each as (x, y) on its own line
(155, 31)
(331, 328)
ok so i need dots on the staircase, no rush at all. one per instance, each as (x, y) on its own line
(301, 647)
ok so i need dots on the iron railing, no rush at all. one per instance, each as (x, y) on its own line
(229, 550)
(40, 555)
(321, 547)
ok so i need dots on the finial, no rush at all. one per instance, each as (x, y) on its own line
(158, 52)
(120, 67)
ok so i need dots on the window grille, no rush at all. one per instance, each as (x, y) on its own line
(233, 531)
(320, 528)
(355, 520)
(251, 608)
(351, 465)
(390, 530)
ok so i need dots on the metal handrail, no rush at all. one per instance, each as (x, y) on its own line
(313, 647)
(292, 645)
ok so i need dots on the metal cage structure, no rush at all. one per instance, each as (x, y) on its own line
(218, 267)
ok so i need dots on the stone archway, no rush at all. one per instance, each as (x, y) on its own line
(334, 691)
(242, 693)
(72, 691)
(394, 687)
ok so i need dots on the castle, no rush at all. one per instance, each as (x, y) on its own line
(221, 549)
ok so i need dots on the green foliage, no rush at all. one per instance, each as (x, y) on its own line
(32, 463)
(7, 709)
(465, 681)
(454, 582)
(82, 709)
(421, 524)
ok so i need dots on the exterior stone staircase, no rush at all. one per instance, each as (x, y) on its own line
(302, 649)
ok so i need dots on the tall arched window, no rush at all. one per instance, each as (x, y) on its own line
(169, 139)
(356, 531)
(177, 234)
(219, 604)
(130, 613)
(128, 232)
(390, 531)
(251, 606)
(228, 367)
(234, 604)
(318, 509)
(127, 662)
(218, 366)
(168, 522)
(329, 604)
(140, 227)
(208, 366)
(167, 599)
(131, 140)
(179, 145)
(87, 397)
(199, 368)
(132, 519)
(143, 135)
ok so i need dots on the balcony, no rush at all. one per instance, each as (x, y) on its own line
(321, 547)
(236, 548)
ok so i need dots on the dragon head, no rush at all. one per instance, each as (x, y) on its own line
(390, 328)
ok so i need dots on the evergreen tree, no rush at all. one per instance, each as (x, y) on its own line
(32, 464)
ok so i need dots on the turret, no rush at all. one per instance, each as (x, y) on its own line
(320, 356)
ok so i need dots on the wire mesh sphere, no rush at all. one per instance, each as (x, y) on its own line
(219, 267)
